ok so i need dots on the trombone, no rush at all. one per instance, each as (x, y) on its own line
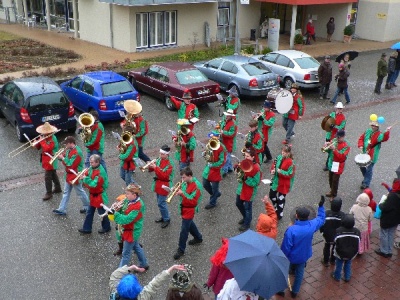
(57, 154)
(78, 176)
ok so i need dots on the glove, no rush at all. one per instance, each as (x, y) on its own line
(332, 125)
(260, 118)
(383, 199)
(322, 201)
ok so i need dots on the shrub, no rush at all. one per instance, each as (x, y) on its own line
(298, 38)
(348, 30)
(266, 50)
(248, 50)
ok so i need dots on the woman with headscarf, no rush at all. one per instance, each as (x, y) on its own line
(362, 216)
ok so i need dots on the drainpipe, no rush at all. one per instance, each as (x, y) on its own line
(75, 14)
(48, 20)
(111, 27)
(26, 12)
(293, 26)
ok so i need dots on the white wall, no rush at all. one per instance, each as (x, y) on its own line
(122, 32)
(249, 18)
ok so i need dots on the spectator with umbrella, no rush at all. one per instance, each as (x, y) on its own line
(346, 58)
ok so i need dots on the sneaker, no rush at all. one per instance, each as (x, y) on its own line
(241, 222)
(178, 254)
(282, 293)
(160, 220)
(293, 294)
(209, 206)
(84, 231)
(59, 212)
(102, 231)
(329, 194)
(165, 224)
(325, 263)
(146, 267)
(379, 252)
(57, 191)
(333, 276)
(47, 196)
(244, 227)
(195, 242)
(327, 98)
(345, 280)
(321, 98)
(396, 245)
(83, 210)
(363, 187)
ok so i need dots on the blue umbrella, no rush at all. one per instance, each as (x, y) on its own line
(257, 263)
(396, 46)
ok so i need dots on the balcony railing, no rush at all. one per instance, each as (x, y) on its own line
(153, 2)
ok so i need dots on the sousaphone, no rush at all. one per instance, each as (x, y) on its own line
(327, 122)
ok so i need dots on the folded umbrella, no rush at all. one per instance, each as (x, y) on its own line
(257, 263)
(352, 55)
(396, 46)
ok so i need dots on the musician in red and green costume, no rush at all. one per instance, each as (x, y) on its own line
(95, 145)
(190, 196)
(338, 151)
(163, 169)
(185, 151)
(126, 160)
(294, 114)
(186, 109)
(254, 139)
(266, 122)
(228, 138)
(212, 173)
(96, 181)
(247, 189)
(49, 146)
(283, 171)
(232, 101)
(370, 143)
(131, 217)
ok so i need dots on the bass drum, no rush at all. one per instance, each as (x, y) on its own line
(284, 101)
(271, 96)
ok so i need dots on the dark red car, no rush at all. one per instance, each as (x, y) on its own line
(174, 79)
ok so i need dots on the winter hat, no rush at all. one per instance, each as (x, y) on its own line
(219, 256)
(267, 104)
(165, 149)
(363, 199)
(336, 204)
(302, 213)
(340, 133)
(372, 202)
(182, 280)
(129, 287)
(341, 65)
(348, 221)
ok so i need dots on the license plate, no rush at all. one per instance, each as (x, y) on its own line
(51, 118)
(268, 83)
(120, 103)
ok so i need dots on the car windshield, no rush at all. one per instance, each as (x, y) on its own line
(116, 88)
(255, 68)
(43, 101)
(190, 77)
(307, 62)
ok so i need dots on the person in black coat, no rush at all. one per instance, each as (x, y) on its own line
(333, 220)
(389, 220)
(347, 241)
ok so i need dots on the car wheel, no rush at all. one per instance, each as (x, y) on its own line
(287, 82)
(168, 103)
(237, 89)
(20, 136)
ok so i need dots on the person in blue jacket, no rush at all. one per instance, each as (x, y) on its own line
(297, 242)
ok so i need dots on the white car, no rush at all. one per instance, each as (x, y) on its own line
(292, 66)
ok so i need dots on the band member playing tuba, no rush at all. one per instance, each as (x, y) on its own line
(140, 127)
(266, 122)
(337, 155)
(295, 113)
(212, 173)
(228, 138)
(186, 109)
(95, 145)
(247, 189)
(254, 139)
(73, 162)
(126, 157)
(340, 124)
(282, 171)
(49, 146)
(163, 169)
(186, 142)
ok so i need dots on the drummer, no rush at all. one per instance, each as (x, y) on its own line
(295, 113)
(370, 143)
(338, 124)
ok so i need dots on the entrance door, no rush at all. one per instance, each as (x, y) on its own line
(71, 16)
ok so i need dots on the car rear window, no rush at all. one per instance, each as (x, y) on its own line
(307, 62)
(44, 101)
(116, 88)
(190, 77)
(255, 68)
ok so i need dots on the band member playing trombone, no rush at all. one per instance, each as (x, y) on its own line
(266, 121)
(73, 162)
(338, 150)
(254, 139)
(186, 109)
(282, 171)
(128, 151)
(130, 216)
(247, 188)
(215, 155)
(228, 138)
(163, 169)
(185, 143)
(295, 113)
(190, 195)
(49, 145)
(96, 180)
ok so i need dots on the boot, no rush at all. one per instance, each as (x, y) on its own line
(47, 196)
(119, 251)
(387, 86)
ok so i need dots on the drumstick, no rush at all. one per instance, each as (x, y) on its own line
(395, 123)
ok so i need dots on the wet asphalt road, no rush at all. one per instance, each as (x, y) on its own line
(44, 256)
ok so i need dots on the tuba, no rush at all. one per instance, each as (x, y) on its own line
(126, 139)
(244, 166)
(213, 144)
(86, 121)
(129, 121)
(173, 191)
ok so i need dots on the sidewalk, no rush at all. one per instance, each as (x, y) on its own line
(96, 54)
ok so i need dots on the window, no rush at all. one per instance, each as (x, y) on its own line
(152, 71)
(8, 90)
(215, 63)
(271, 57)
(230, 67)
(141, 31)
(190, 77)
(163, 75)
(307, 62)
(17, 97)
(282, 61)
(223, 16)
(52, 100)
(255, 69)
(170, 27)
(88, 88)
(76, 83)
(116, 88)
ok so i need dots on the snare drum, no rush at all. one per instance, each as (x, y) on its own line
(362, 160)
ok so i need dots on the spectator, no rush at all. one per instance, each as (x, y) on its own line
(342, 85)
(310, 32)
(268, 223)
(391, 70)
(231, 290)
(182, 286)
(362, 215)
(325, 77)
(397, 68)
(382, 71)
(330, 29)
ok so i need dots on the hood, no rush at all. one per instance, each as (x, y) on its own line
(368, 191)
(396, 186)
(265, 224)
(348, 221)
(363, 199)
(336, 204)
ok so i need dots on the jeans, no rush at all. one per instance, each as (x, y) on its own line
(378, 84)
(341, 90)
(90, 153)
(246, 210)
(127, 253)
(228, 164)
(183, 165)
(386, 237)
(367, 173)
(298, 276)
(212, 187)
(143, 156)
(163, 207)
(389, 78)
(126, 176)
(324, 89)
(80, 193)
(188, 226)
(288, 124)
(346, 269)
(396, 74)
(105, 222)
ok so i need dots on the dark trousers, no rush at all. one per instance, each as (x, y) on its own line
(266, 152)
(142, 155)
(378, 85)
(246, 210)
(51, 176)
(188, 226)
(212, 187)
(87, 224)
(328, 252)
(278, 201)
(334, 183)
(324, 89)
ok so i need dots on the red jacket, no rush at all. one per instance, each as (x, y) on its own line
(339, 155)
(212, 171)
(310, 28)
(186, 154)
(97, 141)
(50, 146)
(96, 184)
(284, 181)
(248, 188)
(266, 129)
(298, 107)
(128, 228)
(140, 122)
(163, 171)
(371, 142)
(189, 199)
(127, 162)
(228, 140)
(218, 276)
(70, 176)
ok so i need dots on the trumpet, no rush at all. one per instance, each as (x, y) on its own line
(173, 191)
(79, 175)
(125, 140)
(146, 166)
(86, 120)
(57, 154)
(31, 143)
(328, 145)
(116, 206)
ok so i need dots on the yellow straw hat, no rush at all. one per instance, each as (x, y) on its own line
(46, 128)
(132, 107)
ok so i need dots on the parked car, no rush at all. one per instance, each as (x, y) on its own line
(250, 77)
(174, 79)
(31, 101)
(292, 66)
(104, 91)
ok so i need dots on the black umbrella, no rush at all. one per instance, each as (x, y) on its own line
(352, 55)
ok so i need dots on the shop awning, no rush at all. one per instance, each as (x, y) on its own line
(308, 2)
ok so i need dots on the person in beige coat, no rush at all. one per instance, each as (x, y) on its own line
(363, 215)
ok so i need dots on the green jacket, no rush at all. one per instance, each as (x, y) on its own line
(382, 68)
